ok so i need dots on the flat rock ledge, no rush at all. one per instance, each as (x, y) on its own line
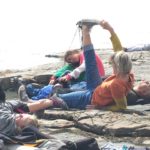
(130, 128)
(133, 123)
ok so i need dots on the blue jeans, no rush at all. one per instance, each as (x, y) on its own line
(39, 93)
(80, 99)
(78, 86)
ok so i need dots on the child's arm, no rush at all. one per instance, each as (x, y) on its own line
(60, 72)
(116, 42)
(75, 73)
(39, 105)
(114, 38)
(121, 104)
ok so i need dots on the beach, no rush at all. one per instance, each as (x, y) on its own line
(140, 60)
(113, 129)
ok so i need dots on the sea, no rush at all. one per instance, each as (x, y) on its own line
(14, 59)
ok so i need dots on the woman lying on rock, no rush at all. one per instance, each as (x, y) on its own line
(112, 92)
(140, 94)
(14, 117)
(18, 130)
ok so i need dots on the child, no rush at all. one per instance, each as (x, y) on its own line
(72, 57)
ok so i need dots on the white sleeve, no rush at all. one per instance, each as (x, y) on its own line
(76, 72)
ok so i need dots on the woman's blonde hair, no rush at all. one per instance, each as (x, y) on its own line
(32, 120)
(122, 62)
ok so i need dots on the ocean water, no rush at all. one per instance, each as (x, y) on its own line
(24, 58)
(12, 60)
(29, 29)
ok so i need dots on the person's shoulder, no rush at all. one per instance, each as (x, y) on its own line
(117, 83)
(111, 77)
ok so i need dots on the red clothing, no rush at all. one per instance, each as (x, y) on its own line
(99, 63)
(112, 88)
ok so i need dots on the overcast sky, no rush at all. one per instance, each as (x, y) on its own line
(29, 25)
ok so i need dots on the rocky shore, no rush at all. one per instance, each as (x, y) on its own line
(131, 127)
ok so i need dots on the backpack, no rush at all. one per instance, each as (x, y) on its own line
(33, 137)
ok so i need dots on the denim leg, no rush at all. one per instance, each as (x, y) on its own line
(45, 92)
(32, 91)
(78, 86)
(92, 75)
(79, 99)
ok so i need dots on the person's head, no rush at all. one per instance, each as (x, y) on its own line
(24, 120)
(72, 57)
(121, 63)
(143, 88)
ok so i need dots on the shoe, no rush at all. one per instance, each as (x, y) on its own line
(22, 94)
(88, 22)
(58, 102)
(56, 88)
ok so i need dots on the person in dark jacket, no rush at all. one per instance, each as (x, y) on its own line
(14, 113)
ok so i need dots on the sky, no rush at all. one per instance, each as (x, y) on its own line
(50, 25)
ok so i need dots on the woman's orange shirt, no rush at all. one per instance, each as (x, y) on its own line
(110, 89)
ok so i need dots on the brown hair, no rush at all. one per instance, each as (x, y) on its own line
(70, 52)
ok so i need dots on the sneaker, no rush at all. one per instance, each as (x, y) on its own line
(88, 22)
(58, 102)
(56, 88)
(22, 94)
